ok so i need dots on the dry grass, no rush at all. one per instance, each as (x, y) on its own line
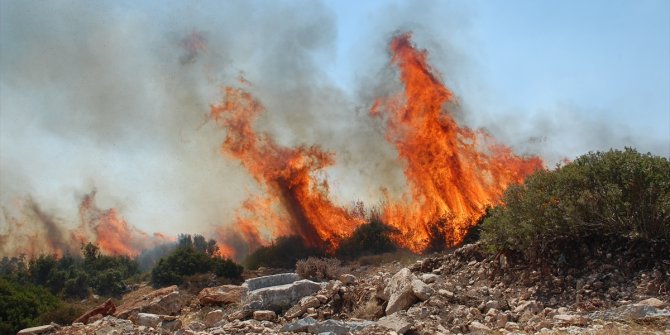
(319, 268)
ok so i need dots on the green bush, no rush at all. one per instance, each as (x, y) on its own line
(191, 257)
(21, 304)
(283, 253)
(601, 200)
(372, 238)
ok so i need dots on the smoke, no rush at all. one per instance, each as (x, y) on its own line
(115, 98)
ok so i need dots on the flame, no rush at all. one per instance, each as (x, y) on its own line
(295, 201)
(35, 232)
(111, 232)
(454, 172)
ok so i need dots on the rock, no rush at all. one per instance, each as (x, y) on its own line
(197, 326)
(652, 302)
(338, 327)
(445, 293)
(479, 328)
(532, 306)
(171, 325)
(221, 295)
(322, 298)
(399, 289)
(265, 315)
(148, 320)
(299, 326)
(37, 330)
(268, 281)
(347, 279)
(421, 290)
(280, 297)
(213, 317)
(294, 312)
(570, 320)
(429, 278)
(167, 301)
(492, 304)
(396, 322)
(309, 301)
(630, 313)
(107, 308)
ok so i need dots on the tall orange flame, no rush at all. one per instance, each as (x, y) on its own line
(295, 201)
(454, 172)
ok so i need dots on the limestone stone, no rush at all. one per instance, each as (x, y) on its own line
(399, 290)
(213, 317)
(37, 330)
(148, 320)
(265, 315)
(396, 322)
(221, 295)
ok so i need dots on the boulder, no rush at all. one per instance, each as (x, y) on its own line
(630, 313)
(221, 295)
(213, 317)
(279, 297)
(171, 325)
(265, 315)
(168, 301)
(478, 328)
(421, 290)
(652, 302)
(107, 308)
(309, 301)
(338, 327)
(429, 278)
(37, 330)
(148, 320)
(268, 281)
(399, 291)
(570, 320)
(396, 322)
(299, 326)
(347, 279)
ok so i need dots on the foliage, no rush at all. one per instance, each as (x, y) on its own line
(282, 253)
(602, 199)
(192, 256)
(319, 268)
(21, 305)
(73, 276)
(372, 238)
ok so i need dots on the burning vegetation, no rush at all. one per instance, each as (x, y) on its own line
(454, 173)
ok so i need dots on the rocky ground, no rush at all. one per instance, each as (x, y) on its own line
(458, 292)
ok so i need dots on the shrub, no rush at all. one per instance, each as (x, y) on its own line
(187, 261)
(21, 304)
(601, 200)
(283, 253)
(224, 267)
(372, 238)
(319, 269)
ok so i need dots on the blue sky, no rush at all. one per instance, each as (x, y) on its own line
(94, 95)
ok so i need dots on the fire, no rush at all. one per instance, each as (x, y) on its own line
(35, 232)
(111, 232)
(454, 172)
(295, 201)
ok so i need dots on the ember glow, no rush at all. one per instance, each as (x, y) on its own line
(454, 172)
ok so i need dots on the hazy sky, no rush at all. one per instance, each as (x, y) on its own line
(107, 96)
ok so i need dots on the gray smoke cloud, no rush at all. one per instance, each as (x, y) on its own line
(113, 98)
